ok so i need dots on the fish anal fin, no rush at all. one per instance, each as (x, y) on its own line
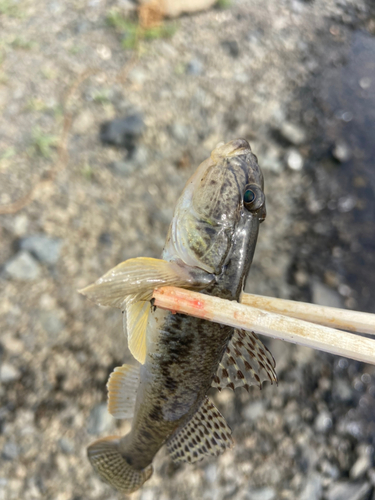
(246, 361)
(207, 433)
(122, 388)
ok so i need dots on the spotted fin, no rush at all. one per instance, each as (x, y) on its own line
(139, 277)
(137, 314)
(122, 388)
(246, 361)
(207, 433)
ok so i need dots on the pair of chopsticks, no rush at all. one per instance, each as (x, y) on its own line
(297, 322)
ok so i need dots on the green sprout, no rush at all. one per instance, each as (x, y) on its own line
(43, 143)
(22, 43)
(10, 8)
(223, 4)
(132, 32)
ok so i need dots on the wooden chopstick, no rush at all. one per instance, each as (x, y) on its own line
(266, 323)
(344, 319)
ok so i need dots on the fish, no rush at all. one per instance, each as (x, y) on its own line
(209, 249)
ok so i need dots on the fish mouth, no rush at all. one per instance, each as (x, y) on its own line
(233, 148)
(262, 213)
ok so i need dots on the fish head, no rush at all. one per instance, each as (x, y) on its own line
(225, 188)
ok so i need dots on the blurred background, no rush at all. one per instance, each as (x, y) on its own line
(107, 107)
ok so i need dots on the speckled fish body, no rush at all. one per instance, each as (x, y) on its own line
(210, 246)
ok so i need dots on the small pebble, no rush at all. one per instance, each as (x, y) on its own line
(66, 445)
(293, 133)
(342, 152)
(8, 373)
(44, 248)
(194, 67)
(266, 493)
(51, 323)
(294, 160)
(254, 410)
(348, 491)
(231, 46)
(323, 422)
(180, 132)
(363, 462)
(365, 83)
(312, 489)
(23, 267)
(122, 132)
(10, 451)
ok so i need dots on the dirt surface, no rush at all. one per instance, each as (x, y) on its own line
(295, 78)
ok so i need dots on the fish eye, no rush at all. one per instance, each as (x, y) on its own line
(253, 199)
(249, 196)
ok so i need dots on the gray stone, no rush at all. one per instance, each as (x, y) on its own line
(266, 493)
(194, 67)
(8, 373)
(99, 421)
(312, 489)
(346, 203)
(294, 160)
(342, 152)
(231, 46)
(66, 445)
(348, 491)
(51, 323)
(324, 295)
(323, 422)
(254, 410)
(341, 390)
(329, 469)
(211, 473)
(363, 462)
(22, 267)
(10, 451)
(293, 133)
(20, 224)
(180, 132)
(43, 247)
(123, 132)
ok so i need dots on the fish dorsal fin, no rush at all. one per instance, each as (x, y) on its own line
(122, 388)
(137, 314)
(207, 433)
(246, 361)
(140, 277)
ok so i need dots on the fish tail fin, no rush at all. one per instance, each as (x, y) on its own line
(112, 467)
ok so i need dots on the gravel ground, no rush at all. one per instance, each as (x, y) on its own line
(295, 78)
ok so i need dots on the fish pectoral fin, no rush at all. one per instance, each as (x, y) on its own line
(139, 277)
(207, 433)
(246, 361)
(135, 324)
(122, 388)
